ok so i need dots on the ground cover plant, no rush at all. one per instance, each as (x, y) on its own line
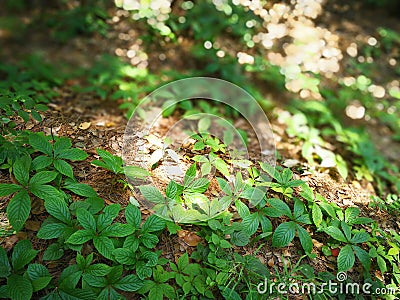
(80, 218)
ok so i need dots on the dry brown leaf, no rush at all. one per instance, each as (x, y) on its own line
(85, 125)
(10, 242)
(271, 262)
(190, 238)
(32, 225)
(317, 244)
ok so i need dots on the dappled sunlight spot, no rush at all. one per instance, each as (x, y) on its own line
(355, 110)
(352, 50)
(392, 62)
(348, 81)
(244, 58)
(208, 45)
(377, 91)
(372, 41)
(309, 49)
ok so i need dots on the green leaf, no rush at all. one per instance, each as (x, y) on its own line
(18, 210)
(346, 230)
(19, 288)
(240, 238)
(153, 223)
(129, 283)
(363, 256)
(39, 142)
(9, 188)
(329, 209)
(250, 223)
(221, 166)
(224, 185)
(335, 233)
(287, 174)
(131, 242)
(341, 166)
(42, 177)
(150, 257)
(242, 209)
(124, 256)
(156, 294)
(86, 219)
(316, 215)
(95, 281)
(189, 175)
(44, 191)
(278, 208)
(360, 237)
(110, 212)
(61, 144)
(171, 190)
(133, 172)
(81, 189)
(81, 236)
(254, 195)
(104, 245)
(298, 209)
(381, 264)
(345, 259)
(229, 294)
(53, 252)
(118, 230)
(306, 192)
(199, 186)
(351, 213)
(21, 169)
(22, 254)
(305, 239)
(64, 168)
(51, 231)
(57, 208)
(98, 270)
(41, 162)
(151, 193)
(5, 268)
(39, 276)
(73, 154)
(149, 240)
(284, 234)
(133, 215)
